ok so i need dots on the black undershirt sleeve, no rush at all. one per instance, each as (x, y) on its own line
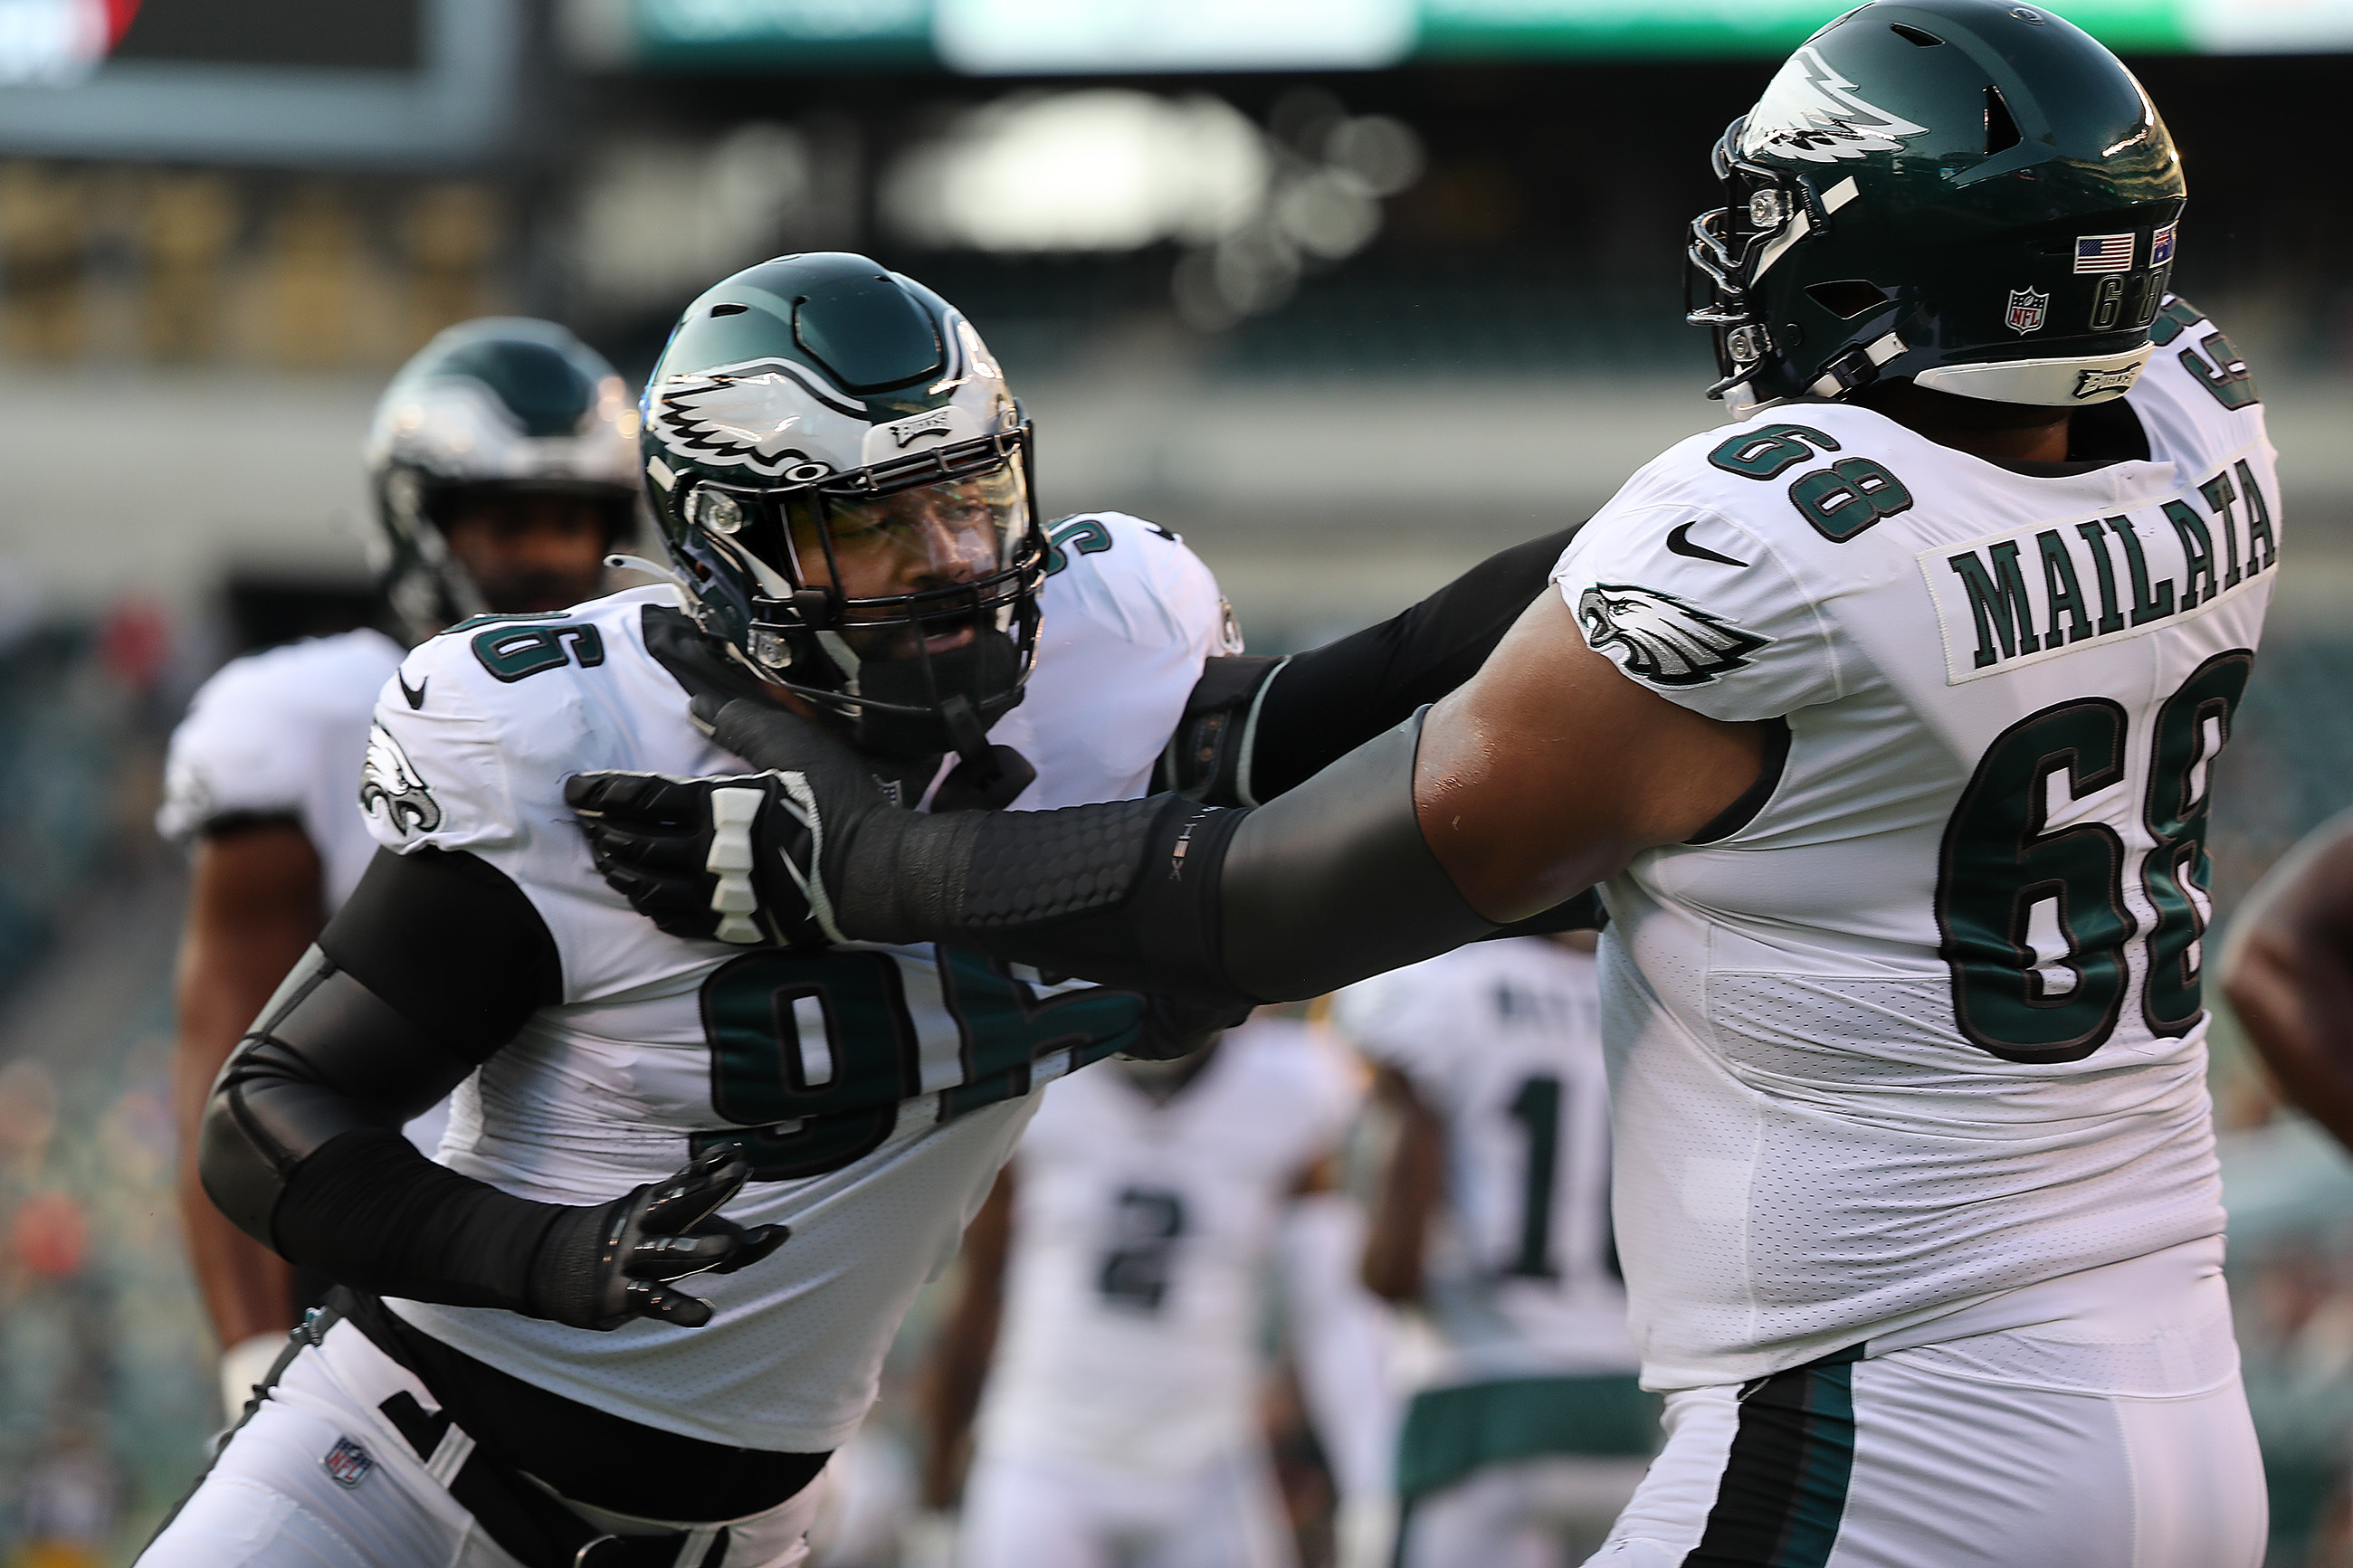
(1326, 702)
(430, 969)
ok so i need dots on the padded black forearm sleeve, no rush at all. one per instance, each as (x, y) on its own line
(1330, 884)
(1326, 702)
(431, 967)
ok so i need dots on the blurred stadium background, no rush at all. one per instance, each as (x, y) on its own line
(1350, 291)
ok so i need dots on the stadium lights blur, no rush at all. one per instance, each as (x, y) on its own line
(1034, 37)
(1114, 169)
(55, 43)
(1107, 170)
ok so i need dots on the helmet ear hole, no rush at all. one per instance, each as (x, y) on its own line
(2001, 127)
(1848, 297)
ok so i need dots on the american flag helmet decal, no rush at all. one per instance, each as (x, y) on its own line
(2104, 253)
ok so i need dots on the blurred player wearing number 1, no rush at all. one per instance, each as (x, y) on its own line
(1530, 1430)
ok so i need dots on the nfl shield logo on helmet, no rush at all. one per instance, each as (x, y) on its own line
(2027, 308)
(348, 1462)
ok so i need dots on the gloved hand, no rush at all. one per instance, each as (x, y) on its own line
(598, 1267)
(751, 858)
(710, 859)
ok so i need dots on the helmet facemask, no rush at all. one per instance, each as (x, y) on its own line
(901, 598)
(1764, 209)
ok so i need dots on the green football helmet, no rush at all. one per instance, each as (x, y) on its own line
(842, 478)
(1974, 194)
(504, 404)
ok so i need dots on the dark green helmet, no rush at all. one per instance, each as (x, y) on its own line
(1974, 194)
(842, 477)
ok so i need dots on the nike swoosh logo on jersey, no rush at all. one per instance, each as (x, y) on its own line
(415, 695)
(1678, 541)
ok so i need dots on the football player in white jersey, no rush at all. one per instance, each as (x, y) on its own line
(1530, 1430)
(507, 1375)
(1886, 717)
(1111, 1301)
(503, 463)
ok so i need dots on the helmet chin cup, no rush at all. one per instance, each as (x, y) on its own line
(925, 704)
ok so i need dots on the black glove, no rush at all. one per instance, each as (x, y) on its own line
(760, 858)
(598, 1267)
(710, 859)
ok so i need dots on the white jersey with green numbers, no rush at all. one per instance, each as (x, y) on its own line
(875, 1091)
(1928, 1027)
(1502, 1043)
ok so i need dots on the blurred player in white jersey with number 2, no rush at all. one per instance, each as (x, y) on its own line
(1118, 1270)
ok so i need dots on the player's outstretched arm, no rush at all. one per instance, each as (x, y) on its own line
(1546, 774)
(2288, 971)
(1256, 727)
(427, 972)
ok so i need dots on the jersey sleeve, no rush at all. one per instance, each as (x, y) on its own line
(436, 772)
(1129, 614)
(227, 757)
(1701, 607)
(1393, 1019)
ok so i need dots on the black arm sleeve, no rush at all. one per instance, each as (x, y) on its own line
(1329, 884)
(1326, 702)
(430, 968)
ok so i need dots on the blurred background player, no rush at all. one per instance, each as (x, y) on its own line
(1530, 1431)
(1112, 1304)
(503, 462)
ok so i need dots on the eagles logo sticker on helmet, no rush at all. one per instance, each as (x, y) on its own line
(1811, 112)
(1667, 641)
(1911, 163)
(842, 477)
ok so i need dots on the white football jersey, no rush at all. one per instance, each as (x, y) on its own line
(874, 1090)
(1141, 1235)
(1927, 1028)
(1501, 1042)
(282, 733)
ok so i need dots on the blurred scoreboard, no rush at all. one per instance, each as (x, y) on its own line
(385, 82)
(1011, 37)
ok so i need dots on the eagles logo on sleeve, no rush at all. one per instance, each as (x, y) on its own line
(1667, 641)
(391, 790)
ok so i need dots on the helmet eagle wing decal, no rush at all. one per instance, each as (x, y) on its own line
(747, 416)
(1665, 640)
(1812, 112)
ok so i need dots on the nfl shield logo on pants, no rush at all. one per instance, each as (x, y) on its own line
(2026, 309)
(348, 1462)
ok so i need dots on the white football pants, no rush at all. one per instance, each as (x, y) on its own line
(2115, 1437)
(1548, 1511)
(1046, 1513)
(320, 1478)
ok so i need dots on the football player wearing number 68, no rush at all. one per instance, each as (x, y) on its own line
(1887, 720)
(512, 1370)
